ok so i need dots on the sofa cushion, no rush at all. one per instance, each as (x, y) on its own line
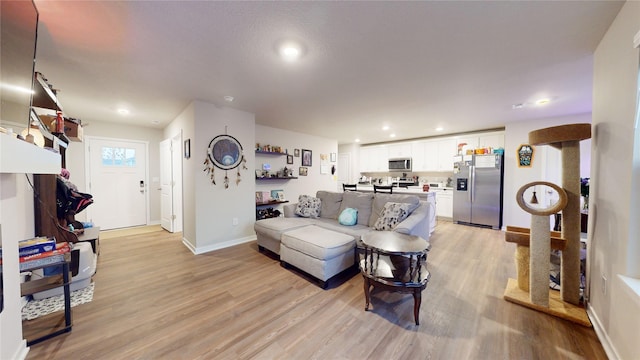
(329, 204)
(318, 242)
(360, 201)
(308, 206)
(356, 230)
(348, 217)
(381, 199)
(393, 214)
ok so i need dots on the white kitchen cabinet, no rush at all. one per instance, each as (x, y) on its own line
(471, 142)
(492, 140)
(399, 150)
(444, 203)
(418, 156)
(431, 155)
(447, 148)
(374, 159)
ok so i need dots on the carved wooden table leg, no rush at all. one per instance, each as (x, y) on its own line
(367, 287)
(417, 300)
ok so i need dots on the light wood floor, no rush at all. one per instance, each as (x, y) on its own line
(154, 299)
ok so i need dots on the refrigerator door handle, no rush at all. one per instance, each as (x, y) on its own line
(472, 193)
(470, 185)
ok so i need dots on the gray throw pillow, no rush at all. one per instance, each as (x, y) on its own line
(329, 204)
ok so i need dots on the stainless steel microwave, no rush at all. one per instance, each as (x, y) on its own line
(400, 164)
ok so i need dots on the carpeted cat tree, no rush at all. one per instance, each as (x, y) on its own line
(532, 253)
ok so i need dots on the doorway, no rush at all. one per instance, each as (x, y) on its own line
(117, 179)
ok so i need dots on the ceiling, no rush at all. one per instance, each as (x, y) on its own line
(413, 66)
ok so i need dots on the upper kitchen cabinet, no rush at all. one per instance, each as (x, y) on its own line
(374, 159)
(399, 150)
(493, 139)
(447, 149)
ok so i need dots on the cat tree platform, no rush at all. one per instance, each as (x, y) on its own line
(557, 307)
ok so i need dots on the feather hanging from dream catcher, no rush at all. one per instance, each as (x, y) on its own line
(225, 152)
(210, 170)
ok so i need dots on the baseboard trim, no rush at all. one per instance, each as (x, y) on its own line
(226, 244)
(602, 334)
(22, 351)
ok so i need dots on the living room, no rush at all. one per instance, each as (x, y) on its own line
(612, 116)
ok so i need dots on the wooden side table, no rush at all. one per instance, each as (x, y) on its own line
(395, 262)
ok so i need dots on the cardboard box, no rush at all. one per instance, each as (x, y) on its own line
(73, 130)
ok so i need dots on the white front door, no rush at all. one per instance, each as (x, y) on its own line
(117, 171)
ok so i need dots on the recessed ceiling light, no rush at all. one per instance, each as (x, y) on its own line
(392, 135)
(543, 101)
(517, 106)
(123, 112)
(290, 51)
(385, 128)
(357, 140)
(439, 128)
(228, 98)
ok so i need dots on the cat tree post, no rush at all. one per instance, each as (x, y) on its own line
(567, 138)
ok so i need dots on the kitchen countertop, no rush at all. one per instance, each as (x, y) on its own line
(413, 190)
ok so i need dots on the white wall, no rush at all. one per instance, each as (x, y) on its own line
(546, 164)
(215, 206)
(616, 310)
(75, 156)
(303, 185)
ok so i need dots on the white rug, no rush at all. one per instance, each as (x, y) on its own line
(37, 308)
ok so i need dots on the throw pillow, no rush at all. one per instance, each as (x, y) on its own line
(308, 206)
(348, 217)
(392, 214)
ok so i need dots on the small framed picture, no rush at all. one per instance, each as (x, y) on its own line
(296, 152)
(306, 157)
(333, 157)
(187, 148)
(303, 171)
(289, 159)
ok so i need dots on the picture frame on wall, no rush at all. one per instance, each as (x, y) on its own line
(303, 171)
(289, 159)
(296, 152)
(306, 157)
(333, 157)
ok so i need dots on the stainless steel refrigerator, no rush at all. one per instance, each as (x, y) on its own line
(477, 190)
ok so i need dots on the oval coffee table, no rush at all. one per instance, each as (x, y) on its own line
(395, 262)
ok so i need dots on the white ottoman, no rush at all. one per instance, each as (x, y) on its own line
(317, 251)
(269, 231)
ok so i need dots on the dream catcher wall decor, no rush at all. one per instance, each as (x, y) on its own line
(225, 153)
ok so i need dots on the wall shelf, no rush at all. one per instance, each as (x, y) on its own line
(277, 178)
(272, 202)
(21, 157)
(270, 153)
